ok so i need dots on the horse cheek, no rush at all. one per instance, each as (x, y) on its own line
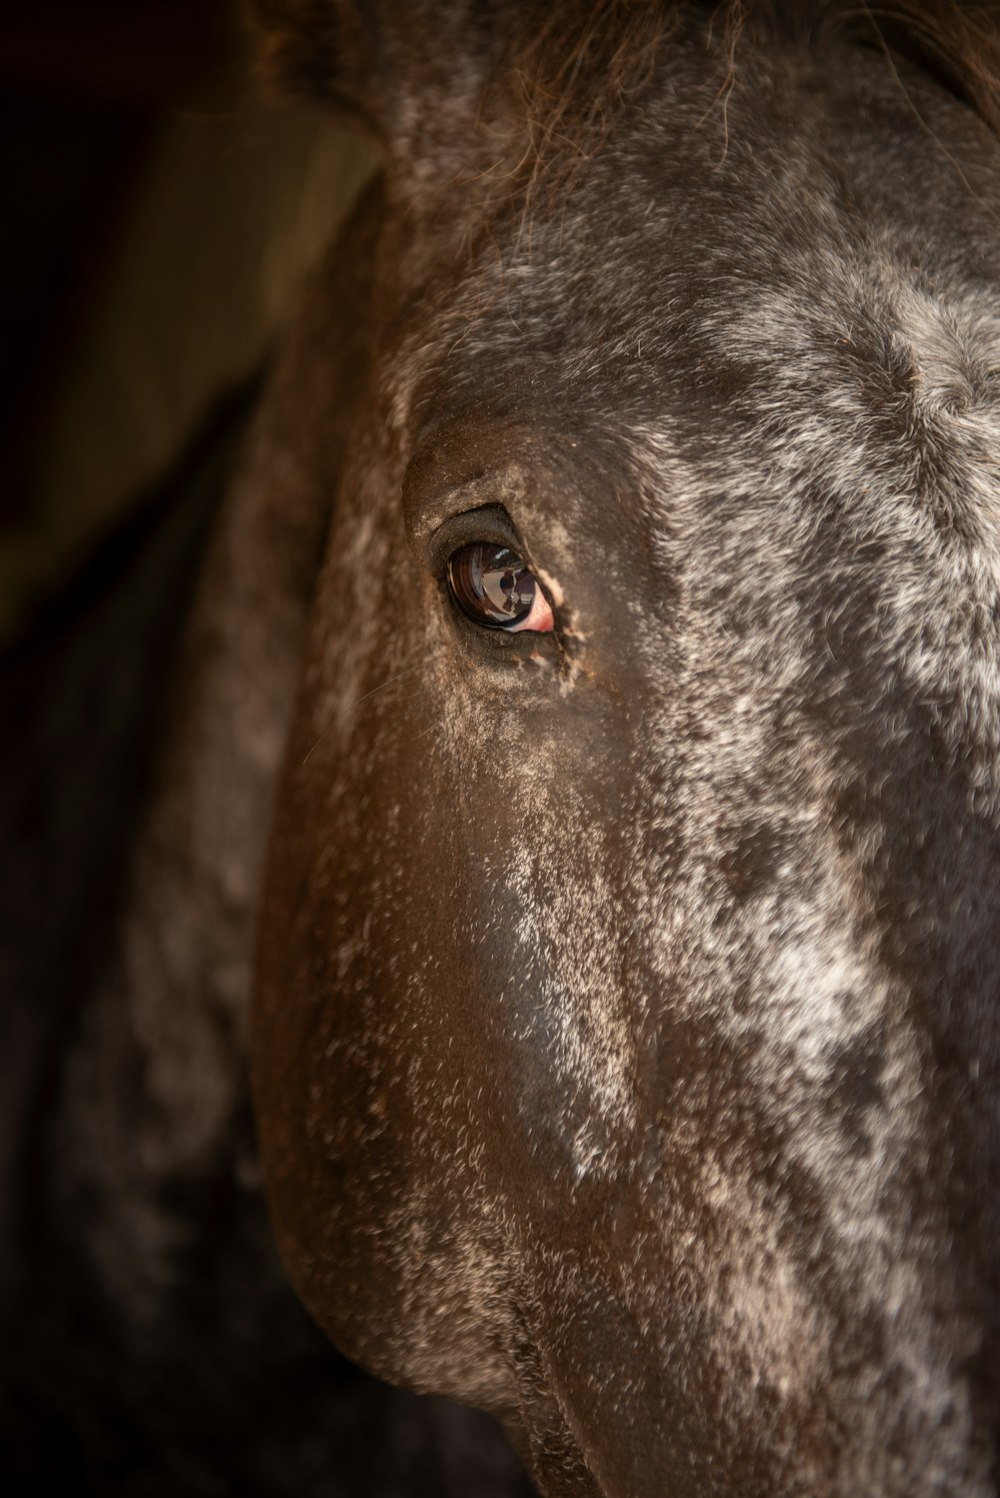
(364, 1132)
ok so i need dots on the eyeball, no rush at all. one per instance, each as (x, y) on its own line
(496, 588)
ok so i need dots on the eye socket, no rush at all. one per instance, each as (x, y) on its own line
(496, 588)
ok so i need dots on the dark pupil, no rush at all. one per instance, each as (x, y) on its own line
(492, 584)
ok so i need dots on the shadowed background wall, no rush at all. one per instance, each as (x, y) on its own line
(158, 216)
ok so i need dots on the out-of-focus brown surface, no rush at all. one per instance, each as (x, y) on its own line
(158, 216)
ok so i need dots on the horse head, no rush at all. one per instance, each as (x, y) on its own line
(626, 1045)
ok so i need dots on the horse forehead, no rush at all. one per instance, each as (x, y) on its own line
(623, 324)
(742, 239)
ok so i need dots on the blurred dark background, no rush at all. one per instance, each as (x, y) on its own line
(157, 216)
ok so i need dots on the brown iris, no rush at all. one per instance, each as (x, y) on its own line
(492, 584)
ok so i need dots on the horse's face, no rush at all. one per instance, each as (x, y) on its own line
(626, 1056)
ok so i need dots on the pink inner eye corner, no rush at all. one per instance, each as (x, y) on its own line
(539, 619)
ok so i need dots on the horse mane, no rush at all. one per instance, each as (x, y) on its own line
(588, 56)
(574, 57)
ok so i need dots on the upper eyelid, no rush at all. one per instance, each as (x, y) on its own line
(480, 523)
(463, 463)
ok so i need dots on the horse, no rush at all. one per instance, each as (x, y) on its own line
(604, 621)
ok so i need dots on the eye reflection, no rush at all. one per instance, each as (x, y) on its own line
(495, 587)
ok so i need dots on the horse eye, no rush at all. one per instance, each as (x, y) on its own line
(495, 587)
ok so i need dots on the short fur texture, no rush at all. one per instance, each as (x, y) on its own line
(627, 1047)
